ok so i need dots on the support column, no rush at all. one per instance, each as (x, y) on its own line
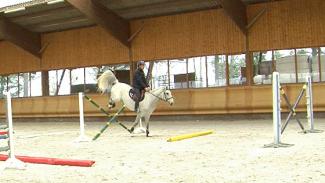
(132, 68)
(249, 63)
(45, 83)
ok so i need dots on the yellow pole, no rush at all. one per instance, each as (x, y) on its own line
(187, 136)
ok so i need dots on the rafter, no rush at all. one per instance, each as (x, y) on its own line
(114, 24)
(160, 8)
(44, 14)
(236, 10)
(57, 22)
(21, 37)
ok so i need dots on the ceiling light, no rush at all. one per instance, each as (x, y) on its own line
(15, 10)
(55, 1)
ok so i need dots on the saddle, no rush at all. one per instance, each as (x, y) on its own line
(134, 97)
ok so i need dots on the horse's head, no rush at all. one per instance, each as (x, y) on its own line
(168, 97)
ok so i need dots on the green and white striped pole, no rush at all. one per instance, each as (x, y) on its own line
(107, 114)
(109, 122)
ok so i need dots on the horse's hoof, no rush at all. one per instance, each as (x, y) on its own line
(147, 133)
(131, 130)
(110, 106)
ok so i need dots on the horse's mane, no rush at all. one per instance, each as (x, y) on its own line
(156, 89)
(106, 81)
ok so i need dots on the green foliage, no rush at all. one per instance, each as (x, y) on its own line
(219, 66)
(3, 85)
(235, 64)
(11, 83)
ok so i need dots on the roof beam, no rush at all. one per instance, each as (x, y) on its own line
(114, 24)
(236, 10)
(170, 7)
(21, 37)
(57, 22)
(43, 14)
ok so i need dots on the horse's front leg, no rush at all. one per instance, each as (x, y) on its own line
(111, 103)
(146, 118)
(137, 119)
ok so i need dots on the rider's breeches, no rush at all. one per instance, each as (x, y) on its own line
(138, 96)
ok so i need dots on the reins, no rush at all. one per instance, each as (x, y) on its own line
(162, 99)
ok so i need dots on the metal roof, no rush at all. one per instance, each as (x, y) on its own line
(40, 16)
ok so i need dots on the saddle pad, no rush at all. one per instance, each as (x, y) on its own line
(134, 97)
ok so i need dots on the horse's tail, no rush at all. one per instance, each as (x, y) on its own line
(106, 81)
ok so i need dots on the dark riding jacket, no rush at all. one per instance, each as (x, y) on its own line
(139, 80)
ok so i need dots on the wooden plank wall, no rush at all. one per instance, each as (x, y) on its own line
(191, 34)
(244, 100)
(288, 24)
(82, 47)
(14, 59)
(74, 48)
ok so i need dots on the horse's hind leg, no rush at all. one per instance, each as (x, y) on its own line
(147, 125)
(135, 123)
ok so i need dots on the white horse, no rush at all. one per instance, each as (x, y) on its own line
(120, 93)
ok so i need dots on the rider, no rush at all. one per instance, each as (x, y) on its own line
(140, 83)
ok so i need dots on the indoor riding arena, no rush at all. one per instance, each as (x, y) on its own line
(228, 91)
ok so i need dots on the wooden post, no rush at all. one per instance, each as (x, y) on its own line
(18, 81)
(30, 84)
(45, 83)
(168, 72)
(70, 80)
(319, 64)
(249, 63)
(273, 62)
(187, 81)
(249, 69)
(60, 82)
(206, 71)
(132, 68)
(227, 71)
(84, 90)
(296, 66)
(149, 74)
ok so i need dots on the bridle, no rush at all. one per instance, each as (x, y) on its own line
(165, 99)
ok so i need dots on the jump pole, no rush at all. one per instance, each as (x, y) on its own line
(187, 136)
(276, 113)
(11, 161)
(106, 113)
(109, 122)
(82, 137)
(18, 162)
(309, 104)
(3, 129)
(50, 161)
(292, 108)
